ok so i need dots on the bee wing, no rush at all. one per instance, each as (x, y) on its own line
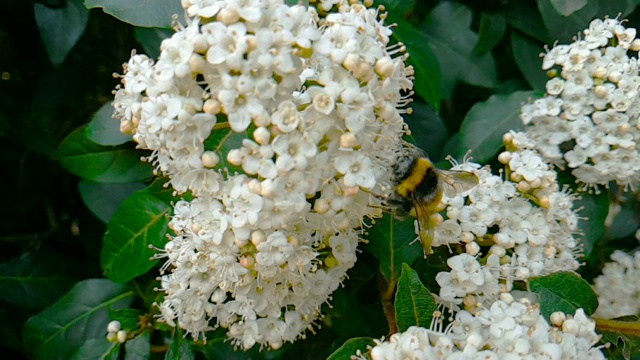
(425, 226)
(457, 181)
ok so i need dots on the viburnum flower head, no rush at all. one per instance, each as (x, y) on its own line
(617, 287)
(507, 329)
(587, 120)
(281, 121)
(513, 227)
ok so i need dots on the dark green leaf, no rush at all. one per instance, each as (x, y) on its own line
(138, 348)
(414, 303)
(429, 129)
(454, 147)
(141, 220)
(562, 28)
(222, 141)
(564, 291)
(109, 164)
(34, 280)
(104, 129)
(486, 123)
(428, 86)
(151, 38)
(492, 29)
(568, 7)
(398, 7)
(97, 349)
(526, 52)
(104, 199)
(145, 13)
(179, 349)
(390, 240)
(595, 209)
(60, 28)
(625, 223)
(351, 347)
(526, 17)
(80, 315)
(129, 318)
(626, 328)
(452, 42)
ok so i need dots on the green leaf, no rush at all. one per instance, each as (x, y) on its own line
(564, 291)
(390, 240)
(595, 209)
(452, 42)
(97, 349)
(564, 28)
(145, 13)
(129, 318)
(105, 130)
(625, 223)
(109, 164)
(431, 132)
(350, 348)
(80, 315)
(141, 220)
(104, 199)
(568, 7)
(414, 303)
(222, 141)
(428, 84)
(526, 17)
(35, 281)
(492, 29)
(151, 38)
(626, 328)
(138, 348)
(526, 53)
(60, 28)
(399, 7)
(180, 348)
(486, 123)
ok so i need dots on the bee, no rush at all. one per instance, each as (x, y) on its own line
(419, 189)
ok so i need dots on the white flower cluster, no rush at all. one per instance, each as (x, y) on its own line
(281, 123)
(618, 287)
(508, 329)
(588, 119)
(525, 223)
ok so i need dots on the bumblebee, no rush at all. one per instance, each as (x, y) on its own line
(419, 189)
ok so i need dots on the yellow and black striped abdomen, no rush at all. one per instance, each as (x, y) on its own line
(420, 182)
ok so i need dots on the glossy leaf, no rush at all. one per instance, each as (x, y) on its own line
(104, 199)
(151, 38)
(568, 7)
(104, 129)
(423, 60)
(398, 7)
(60, 28)
(179, 349)
(526, 17)
(392, 241)
(593, 214)
(428, 128)
(486, 123)
(625, 223)
(80, 315)
(564, 291)
(350, 348)
(129, 318)
(447, 31)
(564, 28)
(108, 164)
(145, 13)
(138, 348)
(34, 280)
(625, 329)
(414, 303)
(492, 29)
(97, 349)
(526, 52)
(141, 220)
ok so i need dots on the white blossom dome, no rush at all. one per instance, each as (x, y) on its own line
(588, 118)
(281, 124)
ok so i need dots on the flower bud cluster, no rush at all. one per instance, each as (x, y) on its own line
(588, 118)
(512, 228)
(282, 124)
(508, 329)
